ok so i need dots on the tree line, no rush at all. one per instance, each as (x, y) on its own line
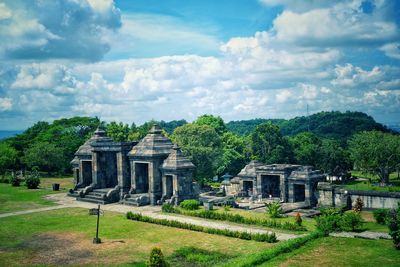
(335, 145)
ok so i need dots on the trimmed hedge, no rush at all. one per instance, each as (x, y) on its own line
(190, 204)
(283, 247)
(269, 238)
(236, 218)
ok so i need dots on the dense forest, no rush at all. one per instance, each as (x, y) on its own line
(331, 141)
(336, 125)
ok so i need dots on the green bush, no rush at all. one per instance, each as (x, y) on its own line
(15, 181)
(32, 181)
(274, 209)
(329, 223)
(157, 258)
(351, 221)
(394, 226)
(381, 215)
(167, 207)
(190, 204)
(267, 237)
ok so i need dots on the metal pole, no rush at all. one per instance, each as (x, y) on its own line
(97, 240)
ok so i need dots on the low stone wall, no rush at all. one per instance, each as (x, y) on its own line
(333, 196)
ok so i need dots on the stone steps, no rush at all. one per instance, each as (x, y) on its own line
(137, 200)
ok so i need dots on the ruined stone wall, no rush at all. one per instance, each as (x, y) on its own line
(332, 196)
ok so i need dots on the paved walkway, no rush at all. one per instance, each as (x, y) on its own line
(365, 234)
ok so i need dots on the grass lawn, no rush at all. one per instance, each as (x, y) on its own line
(65, 236)
(365, 185)
(331, 251)
(21, 198)
(370, 223)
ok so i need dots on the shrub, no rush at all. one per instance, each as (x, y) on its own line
(274, 209)
(167, 207)
(15, 181)
(190, 204)
(227, 208)
(381, 215)
(157, 258)
(263, 237)
(394, 226)
(32, 181)
(298, 219)
(328, 223)
(351, 221)
(358, 205)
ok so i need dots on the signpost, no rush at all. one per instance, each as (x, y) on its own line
(97, 212)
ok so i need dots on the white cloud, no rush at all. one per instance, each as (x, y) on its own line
(341, 24)
(71, 29)
(392, 50)
(5, 104)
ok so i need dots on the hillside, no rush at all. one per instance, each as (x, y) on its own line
(332, 124)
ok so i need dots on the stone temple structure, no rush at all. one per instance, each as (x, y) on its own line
(151, 171)
(287, 183)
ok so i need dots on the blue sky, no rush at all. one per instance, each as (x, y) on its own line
(137, 60)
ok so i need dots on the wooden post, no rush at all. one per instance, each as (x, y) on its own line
(97, 240)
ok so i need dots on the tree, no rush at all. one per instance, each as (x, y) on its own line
(269, 146)
(306, 147)
(118, 131)
(47, 157)
(333, 159)
(215, 122)
(234, 154)
(376, 152)
(204, 147)
(8, 157)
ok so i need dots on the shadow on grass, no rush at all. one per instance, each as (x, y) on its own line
(191, 256)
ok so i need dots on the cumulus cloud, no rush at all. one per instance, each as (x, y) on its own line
(5, 104)
(392, 50)
(341, 24)
(56, 29)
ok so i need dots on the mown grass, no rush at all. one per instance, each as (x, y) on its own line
(21, 198)
(367, 186)
(60, 236)
(331, 251)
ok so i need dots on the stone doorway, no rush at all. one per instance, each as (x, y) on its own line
(108, 163)
(270, 185)
(248, 187)
(142, 177)
(169, 186)
(86, 172)
(299, 193)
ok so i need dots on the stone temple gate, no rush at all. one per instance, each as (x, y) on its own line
(283, 182)
(151, 171)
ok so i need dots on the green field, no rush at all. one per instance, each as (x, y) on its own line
(57, 237)
(331, 251)
(20, 198)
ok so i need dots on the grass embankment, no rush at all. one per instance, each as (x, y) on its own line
(331, 251)
(371, 184)
(20, 198)
(65, 236)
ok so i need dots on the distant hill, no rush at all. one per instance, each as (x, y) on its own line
(6, 134)
(334, 124)
(245, 127)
